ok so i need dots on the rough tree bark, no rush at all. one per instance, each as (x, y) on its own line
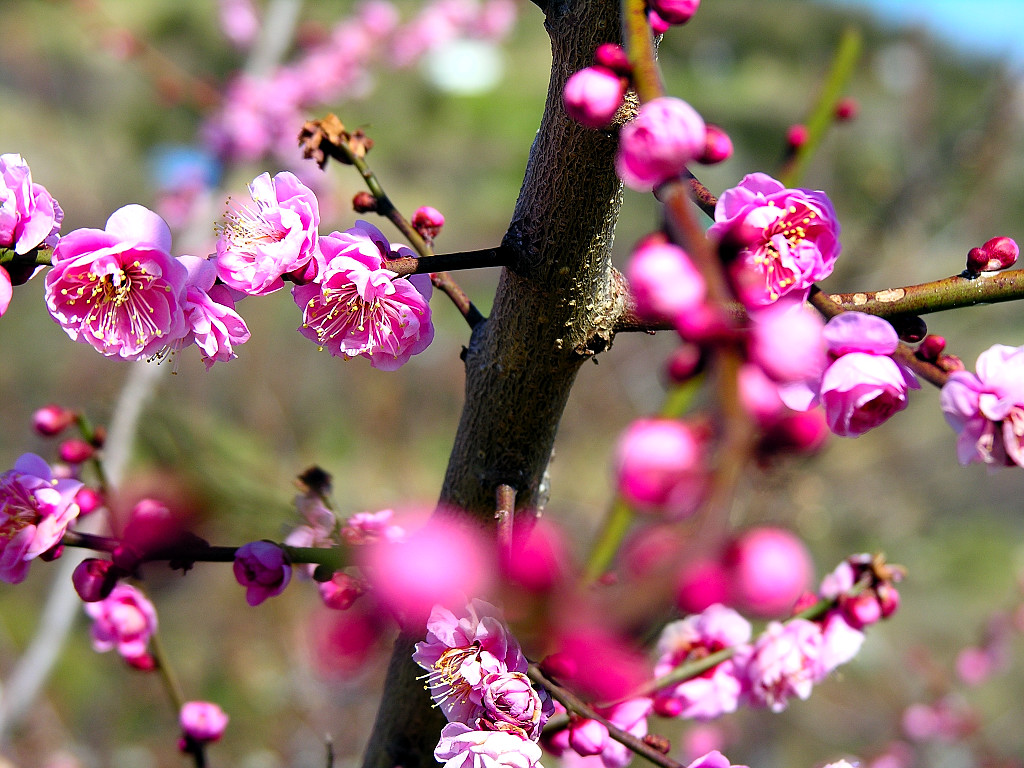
(554, 308)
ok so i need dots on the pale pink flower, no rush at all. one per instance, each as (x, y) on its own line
(664, 281)
(656, 146)
(210, 315)
(769, 568)
(785, 239)
(460, 651)
(660, 466)
(29, 216)
(593, 95)
(118, 289)
(986, 409)
(462, 747)
(359, 307)
(840, 642)
(124, 620)
(784, 663)
(238, 21)
(261, 567)
(36, 509)
(202, 721)
(512, 704)
(274, 236)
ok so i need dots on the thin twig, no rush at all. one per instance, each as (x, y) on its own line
(505, 501)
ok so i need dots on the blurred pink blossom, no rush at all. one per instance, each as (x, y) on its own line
(239, 22)
(657, 145)
(124, 620)
(663, 280)
(660, 466)
(768, 570)
(202, 721)
(784, 663)
(629, 715)
(29, 216)
(675, 11)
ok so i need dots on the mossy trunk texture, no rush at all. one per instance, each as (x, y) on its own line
(553, 309)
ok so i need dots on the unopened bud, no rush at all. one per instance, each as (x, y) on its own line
(674, 11)
(796, 137)
(805, 601)
(658, 25)
(686, 362)
(51, 420)
(888, 598)
(75, 451)
(931, 347)
(847, 109)
(614, 58)
(364, 202)
(428, 222)
(950, 363)
(717, 146)
(341, 591)
(143, 663)
(997, 253)
(94, 579)
(860, 610)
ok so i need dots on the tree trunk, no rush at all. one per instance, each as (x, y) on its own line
(553, 309)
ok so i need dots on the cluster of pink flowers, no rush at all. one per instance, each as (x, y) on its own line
(986, 408)
(476, 674)
(259, 111)
(119, 290)
(124, 621)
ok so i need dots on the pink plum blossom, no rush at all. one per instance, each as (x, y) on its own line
(593, 95)
(202, 721)
(6, 290)
(656, 146)
(785, 239)
(512, 704)
(462, 747)
(274, 236)
(460, 652)
(840, 642)
(262, 567)
(660, 466)
(358, 307)
(986, 408)
(784, 663)
(36, 509)
(210, 315)
(368, 527)
(118, 289)
(341, 591)
(664, 281)
(124, 620)
(29, 216)
(769, 568)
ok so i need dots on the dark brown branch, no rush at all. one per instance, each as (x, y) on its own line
(449, 262)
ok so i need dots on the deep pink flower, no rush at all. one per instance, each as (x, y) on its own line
(428, 222)
(786, 239)
(664, 281)
(462, 747)
(262, 567)
(769, 568)
(593, 95)
(860, 391)
(124, 620)
(29, 216)
(213, 324)
(784, 662)
(512, 704)
(118, 289)
(460, 651)
(986, 409)
(35, 510)
(274, 236)
(656, 146)
(358, 307)
(202, 721)
(341, 591)
(660, 466)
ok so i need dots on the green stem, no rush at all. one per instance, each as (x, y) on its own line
(614, 530)
(636, 31)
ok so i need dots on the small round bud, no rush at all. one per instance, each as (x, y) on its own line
(769, 568)
(341, 591)
(717, 146)
(51, 420)
(613, 57)
(143, 663)
(888, 598)
(846, 109)
(75, 451)
(593, 95)
(364, 202)
(860, 610)
(950, 363)
(88, 500)
(686, 362)
(94, 579)
(202, 721)
(931, 347)
(805, 601)
(796, 137)
(428, 222)
(997, 253)
(674, 11)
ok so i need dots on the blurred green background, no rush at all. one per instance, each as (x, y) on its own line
(932, 166)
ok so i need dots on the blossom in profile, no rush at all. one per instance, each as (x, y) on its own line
(213, 325)
(262, 567)
(779, 241)
(359, 307)
(29, 216)
(123, 621)
(202, 721)
(986, 408)
(118, 289)
(36, 509)
(462, 747)
(657, 145)
(274, 236)
(715, 759)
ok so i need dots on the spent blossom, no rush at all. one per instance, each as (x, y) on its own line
(36, 509)
(124, 620)
(986, 408)
(657, 145)
(118, 289)
(29, 216)
(359, 307)
(274, 236)
(784, 239)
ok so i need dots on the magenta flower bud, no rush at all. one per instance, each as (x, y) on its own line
(613, 57)
(796, 136)
(428, 222)
(202, 721)
(341, 591)
(717, 146)
(143, 662)
(262, 567)
(674, 11)
(846, 109)
(94, 579)
(931, 347)
(538, 559)
(588, 737)
(888, 598)
(802, 433)
(769, 569)
(51, 420)
(593, 95)
(997, 253)
(685, 363)
(860, 610)
(658, 25)
(660, 466)
(655, 147)
(701, 583)
(88, 500)
(75, 451)
(664, 281)
(668, 706)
